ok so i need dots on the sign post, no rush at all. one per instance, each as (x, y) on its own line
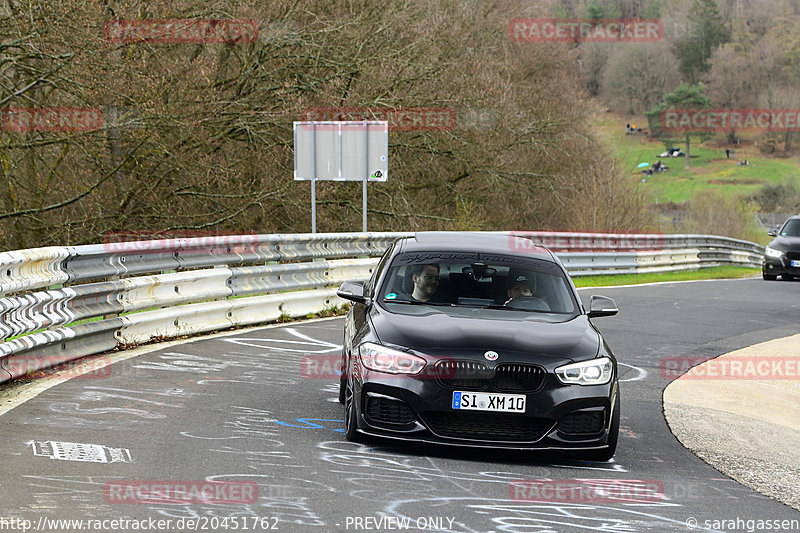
(341, 151)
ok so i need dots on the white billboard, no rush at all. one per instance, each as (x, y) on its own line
(341, 151)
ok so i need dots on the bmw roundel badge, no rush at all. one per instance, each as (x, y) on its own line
(491, 356)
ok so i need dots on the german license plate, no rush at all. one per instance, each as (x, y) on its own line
(795, 263)
(482, 401)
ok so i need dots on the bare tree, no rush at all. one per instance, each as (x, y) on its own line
(639, 75)
(199, 136)
(728, 81)
(593, 61)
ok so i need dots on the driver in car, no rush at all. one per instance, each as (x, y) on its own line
(519, 284)
(426, 282)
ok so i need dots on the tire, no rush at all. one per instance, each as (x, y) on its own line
(769, 277)
(350, 424)
(613, 436)
(343, 380)
(342, 385)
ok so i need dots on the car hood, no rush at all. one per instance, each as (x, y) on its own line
(437, 332)
(785, 243)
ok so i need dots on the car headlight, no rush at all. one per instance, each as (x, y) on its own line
(592, 372)
(382, 359)
(772, 252)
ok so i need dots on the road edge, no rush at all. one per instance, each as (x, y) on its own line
(746, 429)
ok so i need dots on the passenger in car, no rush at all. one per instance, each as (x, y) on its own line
(519, 284)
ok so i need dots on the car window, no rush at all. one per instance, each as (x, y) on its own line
(791, 228)
(472, 280)
(377, 272)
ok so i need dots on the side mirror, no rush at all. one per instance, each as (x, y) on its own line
(772, 233)
(353, 291)
(602, 306)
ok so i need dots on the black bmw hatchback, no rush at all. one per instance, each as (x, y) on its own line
(782, 255)
(478, 339)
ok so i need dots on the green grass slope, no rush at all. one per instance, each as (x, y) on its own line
(709, 168)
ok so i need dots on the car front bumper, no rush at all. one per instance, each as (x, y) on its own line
(557, 417)
(774, 266)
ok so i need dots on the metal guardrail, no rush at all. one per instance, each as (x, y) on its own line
(132, 292)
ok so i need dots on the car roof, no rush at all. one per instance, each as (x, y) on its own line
(465, 241)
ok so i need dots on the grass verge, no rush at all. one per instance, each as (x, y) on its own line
(709, 168)
(720, 272)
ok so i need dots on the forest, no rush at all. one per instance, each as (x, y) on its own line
(196, 137)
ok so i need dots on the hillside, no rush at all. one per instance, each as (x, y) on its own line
(709, 170)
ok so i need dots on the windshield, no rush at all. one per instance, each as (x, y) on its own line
(791, 228)
(477, 280)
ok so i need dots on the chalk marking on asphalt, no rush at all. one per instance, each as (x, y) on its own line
(15, 394)
(641, 376)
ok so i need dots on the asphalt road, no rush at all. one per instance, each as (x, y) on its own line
(244, 409)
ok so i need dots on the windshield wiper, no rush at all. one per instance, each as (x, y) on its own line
(416, 302)
(499, 306)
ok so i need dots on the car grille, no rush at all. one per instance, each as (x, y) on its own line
(389, 411)
(488, 426)
(463, 374)
(513, 377)
(467, 374)
(793, 255)
(587, 423)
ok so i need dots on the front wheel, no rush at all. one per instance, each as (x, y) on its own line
(350, 417)
(613, 436)
(343, 381)
(769, 277)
